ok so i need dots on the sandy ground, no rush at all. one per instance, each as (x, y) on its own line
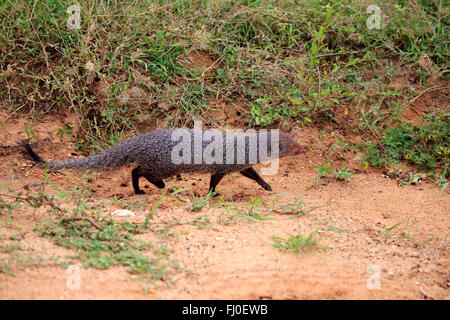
(237, 260)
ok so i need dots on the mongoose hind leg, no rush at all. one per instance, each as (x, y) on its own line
(215, 179)
(139, 172)
(158, 183)
(252, 174)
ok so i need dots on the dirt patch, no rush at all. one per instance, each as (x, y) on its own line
(427, 101)
(234, 258)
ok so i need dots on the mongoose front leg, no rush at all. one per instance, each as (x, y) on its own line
(252, 174)
(215, 179)
(135, 181)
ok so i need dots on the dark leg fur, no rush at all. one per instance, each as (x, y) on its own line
(158, 183)
(137, 173)
(252, 174)
(215, 179)
(135, 181)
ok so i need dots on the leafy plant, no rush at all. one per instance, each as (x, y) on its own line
(343, 174)
(324, 169)
(425, 144)
(298, 243)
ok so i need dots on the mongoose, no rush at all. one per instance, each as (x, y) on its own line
(152, 156)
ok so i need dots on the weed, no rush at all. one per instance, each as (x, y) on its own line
(249, 211)
(202, 222)
(29, 132)
(412, 179)
(388, 232)
(324, 169)
(343, 174)
(407, 236)
(284, 61)
(440, 180)
(296, 208)
(425, 144)
(201, 201)
(333, 228)
(415, 243)
(98, 242)
(153, 210)
(298, 243)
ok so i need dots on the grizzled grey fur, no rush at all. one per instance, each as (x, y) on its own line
(151, 154)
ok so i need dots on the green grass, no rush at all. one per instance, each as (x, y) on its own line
(18, 257)
(113, 244)
(296, 208)
(298, 243)
(394, 231)
(202, 222)
(252, 211)
(96, 241)
(199, 201)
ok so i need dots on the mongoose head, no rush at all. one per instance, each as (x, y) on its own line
(289, 146)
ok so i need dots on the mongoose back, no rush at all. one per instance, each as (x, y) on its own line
(152, 154)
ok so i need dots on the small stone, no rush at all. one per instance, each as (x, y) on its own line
(123, 213)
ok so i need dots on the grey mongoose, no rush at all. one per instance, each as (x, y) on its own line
(151, 154)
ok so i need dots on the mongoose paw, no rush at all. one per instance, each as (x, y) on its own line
(267, 187)
(139, 192)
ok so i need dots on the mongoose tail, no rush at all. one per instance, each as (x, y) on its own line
(33, 155)
(93, 162)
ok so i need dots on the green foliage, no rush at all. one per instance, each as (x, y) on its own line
(200, 202)
(343, 174)
(202, 222)
(298, 243)
(113, 244)
(297, 207)
(440, 180)
(388, 233)
(373, 155)
(425, 145)
(252, 211)
(123, 42)
(98, 242)
(324, 169)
